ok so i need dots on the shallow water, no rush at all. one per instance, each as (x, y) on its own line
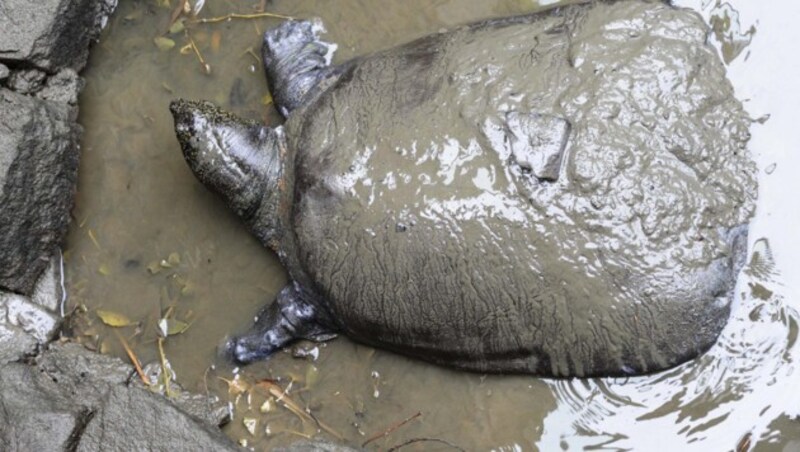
(147, 236)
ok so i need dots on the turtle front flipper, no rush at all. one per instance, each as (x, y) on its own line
(296, 61)
(293, 315)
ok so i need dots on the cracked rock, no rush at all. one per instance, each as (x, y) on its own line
(38, 174)
(28, 322)
(26, 81)
(63, 87)
(50, 34)
(74, 399)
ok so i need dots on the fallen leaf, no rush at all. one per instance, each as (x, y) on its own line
(163, 43)
(113, 319)
(171, 327)
(176, 27)
(104, 270)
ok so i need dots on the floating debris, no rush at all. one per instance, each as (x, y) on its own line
(177, 27)
(166, 370)
(153, 267)
(205, 66)
(171, 327)
(133, 358)
(376, 379)
(94, 239)
(231, 16)
(267, 406)
(104, 270)
(771, 168)
(388, 430)
(237, 385)
(728, 31)
(164, 44)
(311, 377)
(113, 319)
(250, 425)
(174, 259)
(282, 397)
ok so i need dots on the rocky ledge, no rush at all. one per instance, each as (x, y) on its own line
(68, 398)
(56, 396)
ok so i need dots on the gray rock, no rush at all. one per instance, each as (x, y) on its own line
(28, 322)
(157, 425)
(51, 34)
(63, 87)
(38, 172)
(15, 343)
(4, 72)
(32, 418)
(26, 81)
(73, 399)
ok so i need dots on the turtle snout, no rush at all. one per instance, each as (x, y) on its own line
(182, 112)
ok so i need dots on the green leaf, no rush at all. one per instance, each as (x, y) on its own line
(163, 43)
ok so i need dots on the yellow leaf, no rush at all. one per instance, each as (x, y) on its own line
(176, 27)
(174, 259)
(104, 270)
(113, 319)
(163, 43)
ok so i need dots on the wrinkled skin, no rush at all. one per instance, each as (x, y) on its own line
(561, 194)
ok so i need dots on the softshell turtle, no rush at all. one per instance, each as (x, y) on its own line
(562, 194)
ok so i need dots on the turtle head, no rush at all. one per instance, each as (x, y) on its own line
(240, 160)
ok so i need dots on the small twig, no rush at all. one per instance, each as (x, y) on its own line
(176, 13)
(133, 358)
(390, 429)
(213, 20)
(206, 67)
(165, 375)
(282, 397)
(94, 240)
(419, 440)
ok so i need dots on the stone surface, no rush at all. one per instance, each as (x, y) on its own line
(73, 399)
(50, 34)
(63, 87)
(26, 81)
(28, 322)
(4, 72)
(38, 173)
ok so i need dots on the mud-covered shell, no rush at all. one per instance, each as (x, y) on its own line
(427, 232)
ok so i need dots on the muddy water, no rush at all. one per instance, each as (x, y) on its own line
(149, 241)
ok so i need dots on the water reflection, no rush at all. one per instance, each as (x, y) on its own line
(731, 393)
